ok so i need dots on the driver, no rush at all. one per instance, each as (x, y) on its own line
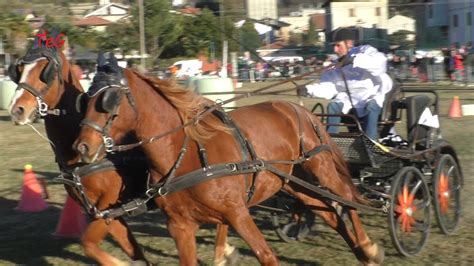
(357, 81)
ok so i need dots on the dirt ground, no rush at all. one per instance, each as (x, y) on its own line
(26, 238)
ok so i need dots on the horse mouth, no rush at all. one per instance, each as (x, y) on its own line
(21, 120)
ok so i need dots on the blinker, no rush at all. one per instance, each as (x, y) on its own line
(111, 99)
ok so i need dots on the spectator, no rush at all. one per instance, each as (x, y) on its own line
(458, 66)
(469, 64)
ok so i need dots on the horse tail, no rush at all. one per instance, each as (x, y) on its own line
(340, 163)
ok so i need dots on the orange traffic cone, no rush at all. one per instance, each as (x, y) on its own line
(455, 109)
(72, 221)
(32, 193)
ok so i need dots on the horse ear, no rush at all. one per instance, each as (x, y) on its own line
(112, 59)
(101, 59)
(53, 35)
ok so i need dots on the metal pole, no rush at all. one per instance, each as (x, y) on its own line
(142, 33)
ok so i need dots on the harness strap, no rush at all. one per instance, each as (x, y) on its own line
(201, 175)
(321, 191)
(203, 155)
(245, 148)
(92, 124)
(73, 179)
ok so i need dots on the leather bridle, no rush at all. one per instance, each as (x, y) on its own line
(43, 108)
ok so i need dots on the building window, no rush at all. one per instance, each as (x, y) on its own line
(430, 11)
(469, 18)
(352, 12)
(455, 21)
(377, 11)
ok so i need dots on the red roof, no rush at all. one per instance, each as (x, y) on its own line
(190, 10)
(275, 45)
(92, 21)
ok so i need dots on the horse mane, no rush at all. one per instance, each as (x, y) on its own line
(188, 104)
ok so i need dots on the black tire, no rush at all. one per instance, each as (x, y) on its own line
(409, 214)
(447, 183)
(295, 224)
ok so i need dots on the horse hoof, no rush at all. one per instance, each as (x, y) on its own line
(377, 254)
(232, 258)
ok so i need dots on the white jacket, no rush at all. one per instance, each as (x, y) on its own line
(366, 78)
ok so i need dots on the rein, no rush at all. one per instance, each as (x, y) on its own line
(195, 120)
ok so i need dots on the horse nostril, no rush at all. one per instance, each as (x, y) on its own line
(82, 148)
(18, 111)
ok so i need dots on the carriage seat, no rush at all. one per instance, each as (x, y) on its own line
(415, 105)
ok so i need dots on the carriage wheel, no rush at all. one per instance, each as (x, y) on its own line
(294, 225)
(409, 213)
(447, 193)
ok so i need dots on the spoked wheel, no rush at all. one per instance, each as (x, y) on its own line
(295, 224)
(409, 212)
(447, 182)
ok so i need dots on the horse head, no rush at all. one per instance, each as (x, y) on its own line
(104, 103)
(40, 83)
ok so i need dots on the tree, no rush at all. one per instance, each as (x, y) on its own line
(401, 38)
(162, 29)
(311, 36)
(121, 36)
(200, 32)
(249, 37)
(14, 31)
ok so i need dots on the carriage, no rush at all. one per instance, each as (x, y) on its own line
(405, 176)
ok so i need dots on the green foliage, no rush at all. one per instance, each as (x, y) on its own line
(296, 38)
(14, 31)
(249, 37)
(203, 33)
(400, 38)
(162, 29)
(230, 34)
(199, 33)
(311, 37)
(121, 36)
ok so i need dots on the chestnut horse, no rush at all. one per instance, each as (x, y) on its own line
(178, 145)
(46, 82)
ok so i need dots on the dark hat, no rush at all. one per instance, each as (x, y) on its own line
(342, 34)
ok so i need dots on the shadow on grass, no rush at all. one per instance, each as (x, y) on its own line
(39, 174)
(27, 237)
(5, 118)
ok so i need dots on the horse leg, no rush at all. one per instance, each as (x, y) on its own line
(323, 167)
(184, 235)
(243, 223)
(224, 254)
(374, 252)
(125, 239)
(93, 235)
